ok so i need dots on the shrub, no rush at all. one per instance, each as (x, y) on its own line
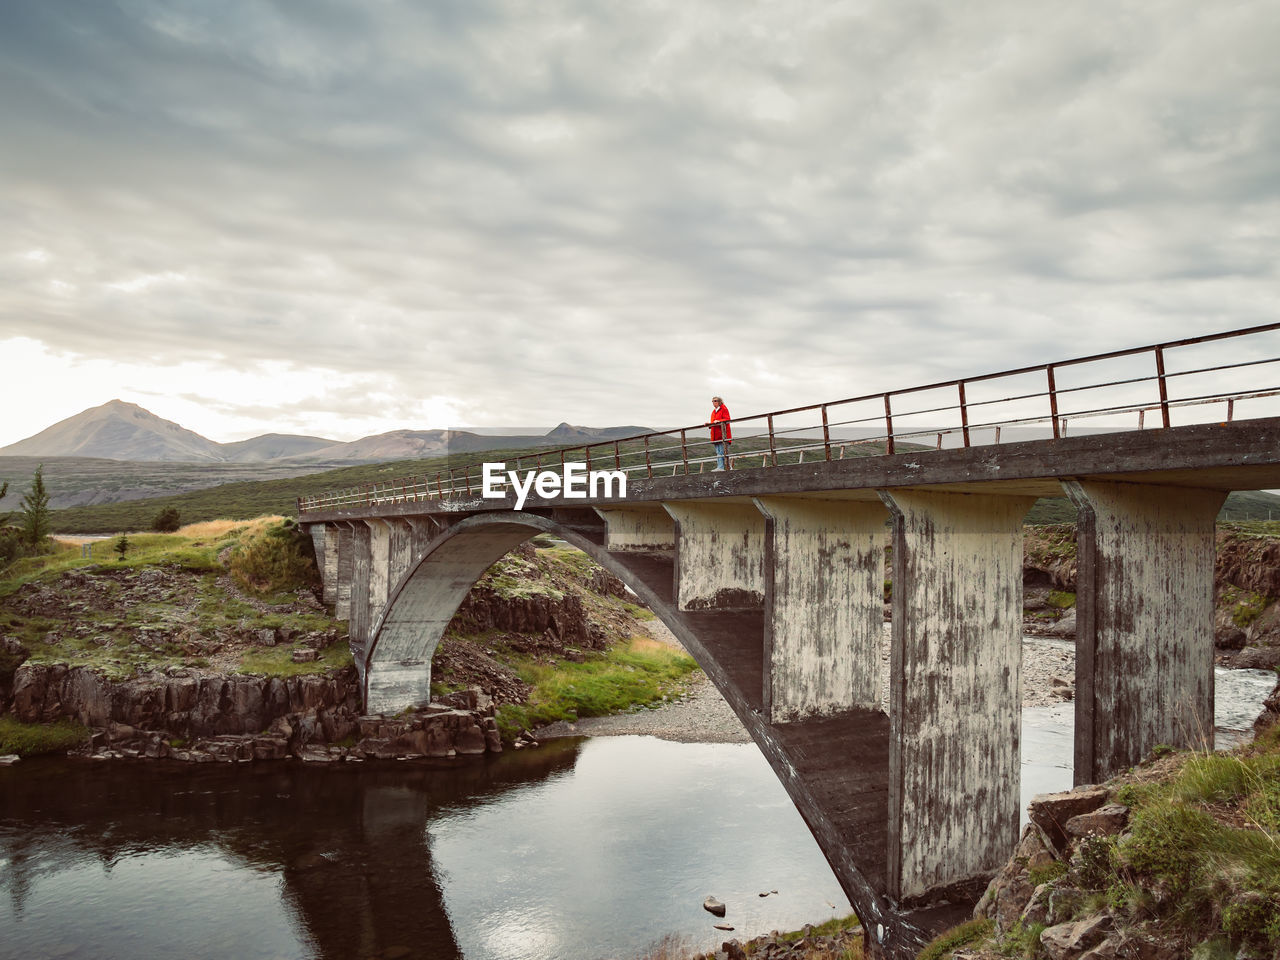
(277, 558)
(167, 520)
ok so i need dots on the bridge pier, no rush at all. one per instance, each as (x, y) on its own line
(719, 555)
(345, 554)
(824, 609)
(955, 687)
(1144, 622)
(639, 528)
(362, 587)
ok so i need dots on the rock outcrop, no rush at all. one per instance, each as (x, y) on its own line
(193, 715)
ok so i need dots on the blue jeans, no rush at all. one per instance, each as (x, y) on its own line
(719, 445)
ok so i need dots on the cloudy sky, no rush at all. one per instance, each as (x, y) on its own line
(342, 218)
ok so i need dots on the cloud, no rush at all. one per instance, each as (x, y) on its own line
(599, 213)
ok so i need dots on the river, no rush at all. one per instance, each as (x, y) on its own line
(583, 848)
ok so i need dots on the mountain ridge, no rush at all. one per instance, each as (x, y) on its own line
(124, 431)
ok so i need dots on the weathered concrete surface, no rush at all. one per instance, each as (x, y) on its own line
(379, 568)
(955, 687)
(645, 528)
(824, 611)
(1144, 622)
(329, 569)
(719, 556)
(359, 622)
(345, 554)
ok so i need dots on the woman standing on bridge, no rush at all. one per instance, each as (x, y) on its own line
(721, 435)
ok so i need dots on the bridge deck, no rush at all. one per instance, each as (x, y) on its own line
(842, 761)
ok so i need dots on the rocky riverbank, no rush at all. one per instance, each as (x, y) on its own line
(179, 661)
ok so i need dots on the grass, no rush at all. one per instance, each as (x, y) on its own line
(31, 739)
(1246, 605)
(948, 941)
(276, 661)
(640, 671)
(1061, 599)
(1207, 843)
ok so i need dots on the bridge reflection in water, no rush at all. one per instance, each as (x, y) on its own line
(348, 843)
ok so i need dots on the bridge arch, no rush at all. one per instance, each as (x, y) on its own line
(420, 607)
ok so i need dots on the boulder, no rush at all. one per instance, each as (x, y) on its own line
(1065, 627)
(1051, 811)
(1258, 658)
(1107, 820)
(713, 906)
(1010, 891)
(29, 685)
(1069, 940)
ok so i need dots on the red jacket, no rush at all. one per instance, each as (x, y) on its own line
(718, 414)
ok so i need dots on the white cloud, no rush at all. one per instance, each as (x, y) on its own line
(532, 214)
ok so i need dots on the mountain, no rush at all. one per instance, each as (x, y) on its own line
(125, 431)
(118, 431)
(273, 446)
(395, 445)
(567, 433)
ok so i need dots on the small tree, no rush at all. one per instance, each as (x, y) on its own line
(35, 511)
(167, 520)
(122, 546)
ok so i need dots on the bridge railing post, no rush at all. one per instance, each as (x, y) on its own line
(1164, 387)
(684, 449)
(964, 414)
(888, 425)
(648, 462)
(826, 433)
(1053, 401)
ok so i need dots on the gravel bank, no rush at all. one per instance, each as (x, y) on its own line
(703, 716)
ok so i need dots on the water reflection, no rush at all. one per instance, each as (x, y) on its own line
(270, 860)
(576, 850)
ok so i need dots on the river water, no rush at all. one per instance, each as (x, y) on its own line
(579, 849)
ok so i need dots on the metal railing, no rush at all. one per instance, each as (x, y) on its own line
(1145, 386)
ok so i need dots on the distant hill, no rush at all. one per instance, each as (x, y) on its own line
(126, 432)
(567, 433)
(272, 446)
(118, 431)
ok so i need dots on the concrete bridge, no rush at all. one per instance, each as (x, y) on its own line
(773, 578)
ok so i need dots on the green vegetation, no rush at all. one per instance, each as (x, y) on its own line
(1022, 941)
(167, 520)
(1245, 605)
(273, 559)
(1203, 852)
(640, 671)
(30, 536)
(276, 661)
(35, 512)
(122, 547)
(1061, 599)
(30, 739)
(181, 614)
(966, 933)
(1050, 543)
